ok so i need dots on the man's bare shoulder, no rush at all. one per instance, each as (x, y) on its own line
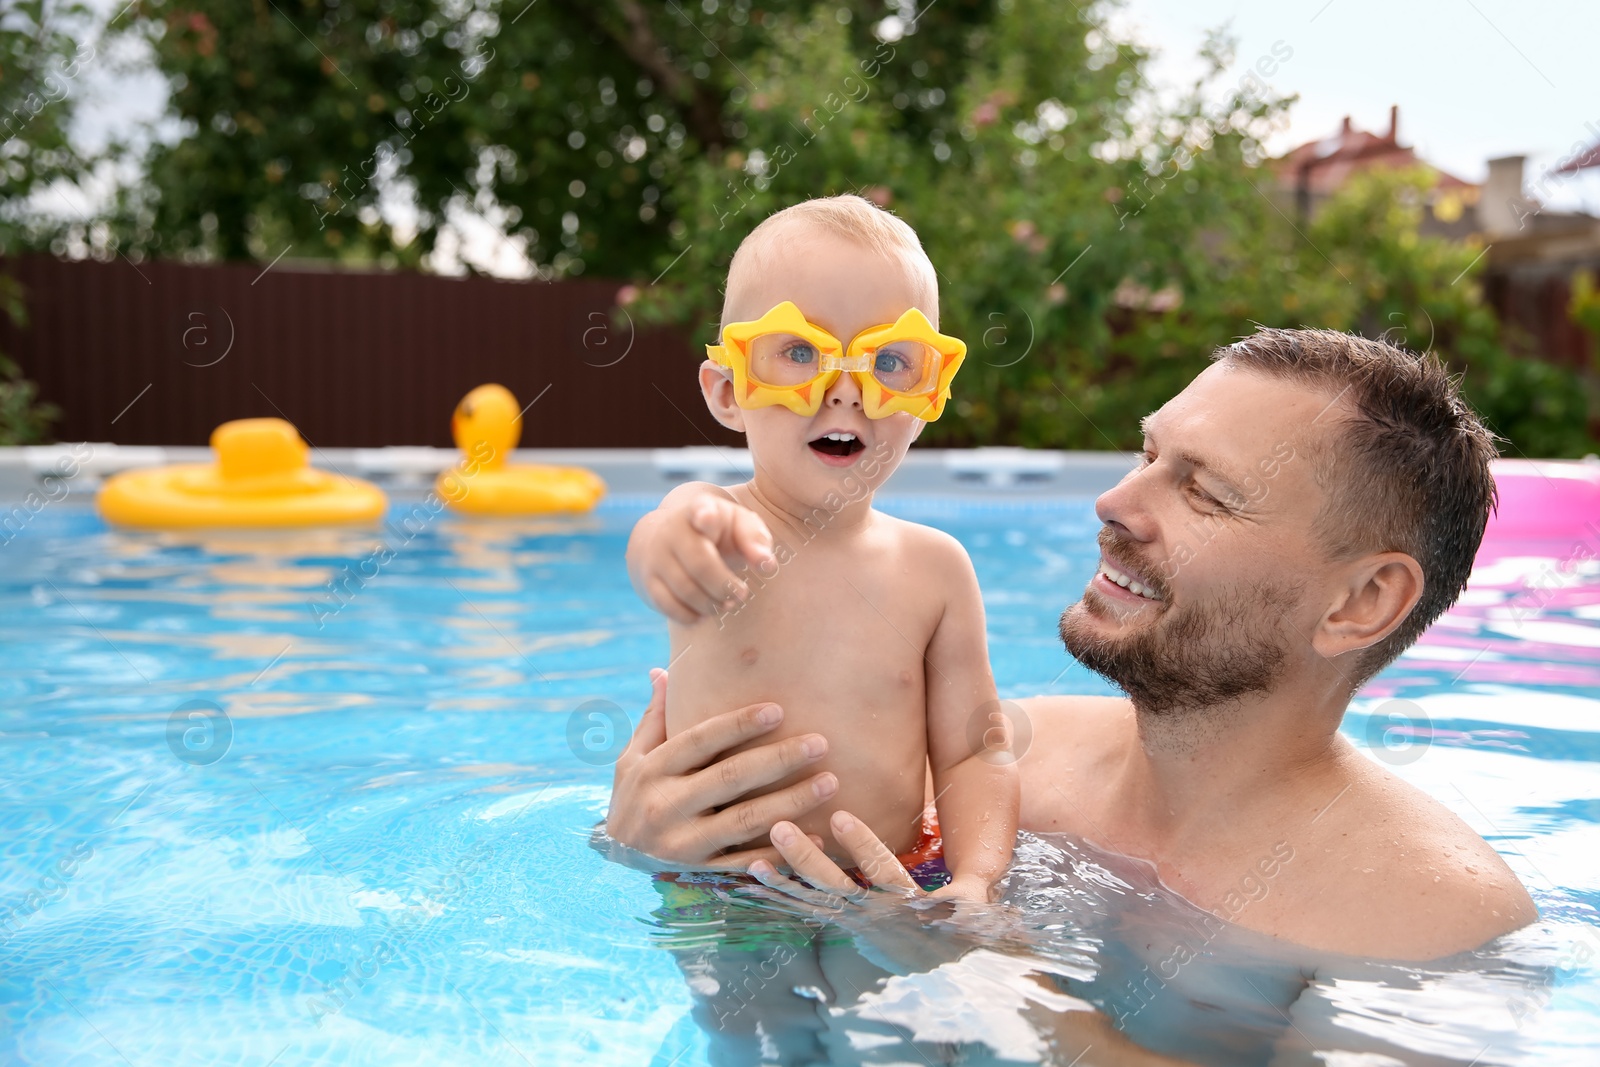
(1075, 721)
(1066, 743)
(1386, 870)
(1075, 706)
(1376, 867)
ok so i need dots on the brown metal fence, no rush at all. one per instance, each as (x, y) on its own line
(1532, 301)
(160, 353)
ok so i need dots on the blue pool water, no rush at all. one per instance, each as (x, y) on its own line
(245, 819)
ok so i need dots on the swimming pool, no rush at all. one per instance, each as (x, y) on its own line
(288, 799)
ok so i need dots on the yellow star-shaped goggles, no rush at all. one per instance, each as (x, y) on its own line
(781, 358)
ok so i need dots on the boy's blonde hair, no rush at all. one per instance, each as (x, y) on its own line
(849, 216)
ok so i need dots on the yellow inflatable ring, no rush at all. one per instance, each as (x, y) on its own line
(487, 425)
(260, 478)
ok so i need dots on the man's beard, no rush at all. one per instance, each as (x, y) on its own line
(1196, 656)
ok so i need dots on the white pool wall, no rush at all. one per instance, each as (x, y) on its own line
(33, 474)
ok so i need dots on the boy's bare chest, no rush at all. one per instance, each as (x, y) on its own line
(823, 623)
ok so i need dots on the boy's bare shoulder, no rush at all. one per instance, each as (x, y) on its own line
(936, 546)
(692, 490)
(938, 554)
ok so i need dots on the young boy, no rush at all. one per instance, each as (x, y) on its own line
(865, 628)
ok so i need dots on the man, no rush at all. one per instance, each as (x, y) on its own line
(1303, 511)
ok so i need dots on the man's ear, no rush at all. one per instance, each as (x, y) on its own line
(716, 385)
(1380, 592)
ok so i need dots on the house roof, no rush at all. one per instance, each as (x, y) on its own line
(1324, 165)
(1590, 157)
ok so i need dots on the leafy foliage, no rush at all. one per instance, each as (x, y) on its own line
(40, 64)
(23, 419)
(1584, 311)
(1094, 250)
(564, 122)
(1095, 239)
(1422, 292)
(41, 59)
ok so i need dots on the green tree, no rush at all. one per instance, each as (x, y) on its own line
(1424, 292)
(1584, 311)
(1094, 245)
(566, 122)
(45, 48)
(23, 419)
(41, 64)
(1095, 239)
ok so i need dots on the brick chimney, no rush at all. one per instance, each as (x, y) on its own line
(1394, 123)
(1503, 209)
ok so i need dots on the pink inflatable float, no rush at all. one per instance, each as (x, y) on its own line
(1515, 624)
(1546, 500)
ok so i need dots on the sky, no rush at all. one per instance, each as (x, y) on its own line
(1474, 79)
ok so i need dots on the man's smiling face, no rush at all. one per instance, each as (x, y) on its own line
(1209, 578)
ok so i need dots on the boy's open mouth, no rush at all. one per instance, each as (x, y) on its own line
(838, 444)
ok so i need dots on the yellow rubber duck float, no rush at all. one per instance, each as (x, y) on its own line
(260, 478)
(487, 425)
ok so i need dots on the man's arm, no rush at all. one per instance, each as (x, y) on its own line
(665, 795)
(969, 749)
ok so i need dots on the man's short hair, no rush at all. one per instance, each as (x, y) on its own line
(1405, 465)
(852, 217)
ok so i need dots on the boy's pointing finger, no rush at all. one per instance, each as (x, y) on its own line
(712, 579)
(754, 541)
(713, 517)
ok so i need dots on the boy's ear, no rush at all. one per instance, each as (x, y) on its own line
(716, 385)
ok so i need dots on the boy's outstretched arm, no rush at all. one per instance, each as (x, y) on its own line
(975, 778)
(680, 556)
